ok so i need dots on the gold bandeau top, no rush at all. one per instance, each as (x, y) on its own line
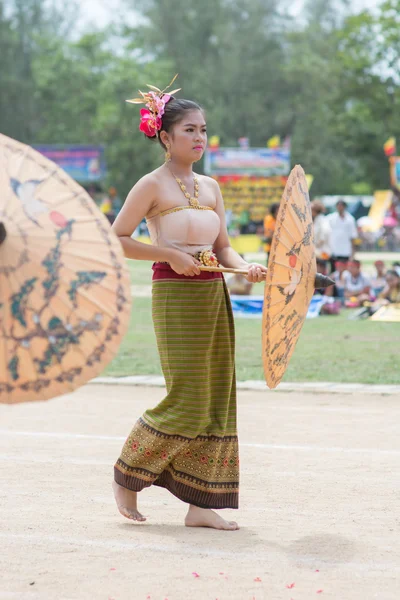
(185, 228)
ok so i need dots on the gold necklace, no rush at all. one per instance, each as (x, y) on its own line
(193, 200)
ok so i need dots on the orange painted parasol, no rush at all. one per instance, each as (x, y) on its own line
(291, 278)
(64, 285)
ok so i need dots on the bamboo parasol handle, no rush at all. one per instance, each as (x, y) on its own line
(222, 270)
(321, 281)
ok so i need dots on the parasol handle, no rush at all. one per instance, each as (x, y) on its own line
(321, 281)
(223, 270)
(3, 233)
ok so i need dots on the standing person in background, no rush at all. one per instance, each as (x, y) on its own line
(322, 233)
(269, 228)
(343, 234)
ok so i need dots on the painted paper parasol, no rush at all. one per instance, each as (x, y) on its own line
(291, 278)
(64, 285)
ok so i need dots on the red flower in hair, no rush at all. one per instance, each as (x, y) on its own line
(149, 124)
(155, 101)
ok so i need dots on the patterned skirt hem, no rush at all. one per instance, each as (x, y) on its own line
(182, 491)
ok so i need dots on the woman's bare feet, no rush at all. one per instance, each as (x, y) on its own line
(127, 503)
(204, 517)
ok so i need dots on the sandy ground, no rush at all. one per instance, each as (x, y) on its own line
(320, 490)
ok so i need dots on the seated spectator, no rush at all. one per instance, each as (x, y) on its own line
(391, 292)
(356, 285)
(237, 284)
(396, 267)
(338, 277)
(378, 282)
(322, 266)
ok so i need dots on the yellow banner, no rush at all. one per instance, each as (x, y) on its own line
(253, 194)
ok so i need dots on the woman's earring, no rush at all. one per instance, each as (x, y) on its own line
(168, 154)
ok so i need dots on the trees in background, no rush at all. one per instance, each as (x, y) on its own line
(331, 81)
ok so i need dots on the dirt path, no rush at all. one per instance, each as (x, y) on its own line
(319, 504)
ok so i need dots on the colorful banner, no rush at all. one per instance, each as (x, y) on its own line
(83, 163)
(261, 162)
(395, 171)
(252, 194)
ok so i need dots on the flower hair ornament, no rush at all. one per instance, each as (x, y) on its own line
(155, 101)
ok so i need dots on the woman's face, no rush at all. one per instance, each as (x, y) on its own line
(189, 137)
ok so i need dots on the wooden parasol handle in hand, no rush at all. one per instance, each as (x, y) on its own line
(223, 270)
(321, 281)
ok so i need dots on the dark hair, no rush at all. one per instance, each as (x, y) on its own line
(356, 263)
(393, 273)
(273, 209)
(174, 112)
(342, 202)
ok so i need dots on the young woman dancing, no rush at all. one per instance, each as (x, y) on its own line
(188, 443)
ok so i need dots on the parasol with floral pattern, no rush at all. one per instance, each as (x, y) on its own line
(64, 285)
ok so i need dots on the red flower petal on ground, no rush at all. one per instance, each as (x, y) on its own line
(258, 579)
(113, 569)
(290, 586)
(195, 575)
(319, 591)
(317, 570)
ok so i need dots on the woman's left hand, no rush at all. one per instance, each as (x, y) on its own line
(256, 273)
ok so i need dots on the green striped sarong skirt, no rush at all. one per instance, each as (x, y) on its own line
(188, 443)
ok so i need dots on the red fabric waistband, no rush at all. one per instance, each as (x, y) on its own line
(164, 271)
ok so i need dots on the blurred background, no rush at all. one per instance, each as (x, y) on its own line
(314, 82)
(324, 74)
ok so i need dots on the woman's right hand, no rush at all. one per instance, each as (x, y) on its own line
(184, 264)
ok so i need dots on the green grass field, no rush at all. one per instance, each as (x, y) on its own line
(330, 348)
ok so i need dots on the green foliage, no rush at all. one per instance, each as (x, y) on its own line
(331, 81)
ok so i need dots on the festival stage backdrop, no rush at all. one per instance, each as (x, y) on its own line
(254, 194)
(395, 171)
(251, 179)
(85, 164)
